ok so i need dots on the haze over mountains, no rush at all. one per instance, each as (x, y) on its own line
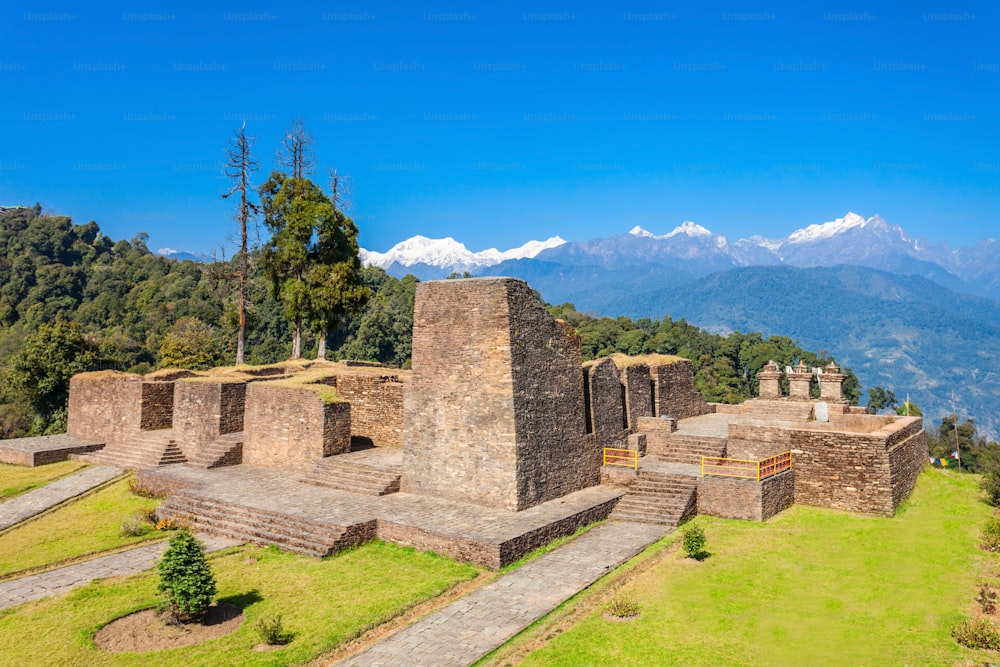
(918, 317)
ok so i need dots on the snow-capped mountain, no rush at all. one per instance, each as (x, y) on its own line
(449, 255)
(181, 255)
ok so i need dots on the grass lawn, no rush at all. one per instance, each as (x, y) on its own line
(15, 480)
(809, 587)
(322, 602)
(90, 525)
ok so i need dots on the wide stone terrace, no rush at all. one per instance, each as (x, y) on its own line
(490, 537)
(44, 449)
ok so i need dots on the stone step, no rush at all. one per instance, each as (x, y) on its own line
(226, 451)
(662, 498)
(148, 449)
(353, 477)
(253, 525)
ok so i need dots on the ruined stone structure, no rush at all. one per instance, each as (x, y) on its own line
(491, 446)
(110, 407)
(293, 426)
(495, 410)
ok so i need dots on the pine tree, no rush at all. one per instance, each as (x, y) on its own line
(186, 577)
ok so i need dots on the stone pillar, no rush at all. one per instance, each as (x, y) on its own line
(494, 411)
(770, 381)
(799, 381)
(831, 383)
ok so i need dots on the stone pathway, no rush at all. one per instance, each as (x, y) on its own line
(25, 506)
(64, 579)
(474, 625)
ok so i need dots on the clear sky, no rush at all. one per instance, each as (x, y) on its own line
(500, 123)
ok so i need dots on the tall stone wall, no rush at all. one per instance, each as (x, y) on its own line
(605, 403)
(110, 407)
(292, 426)
(157, 406)
(673, 391)
(376, 406)
(638, 394)
(206, 410)
(494, 411)
(753, 441)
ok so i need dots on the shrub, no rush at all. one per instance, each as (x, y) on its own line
(623, 605)
(139, 489)
(989, 537)
(980, 633)
(990, 483)
(987, 599)
(694, 542)
(134, 527)
(185, 577)
(271, 630)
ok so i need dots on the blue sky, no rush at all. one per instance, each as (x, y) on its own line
(500, 123)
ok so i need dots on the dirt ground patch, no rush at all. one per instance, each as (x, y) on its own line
(147, 630)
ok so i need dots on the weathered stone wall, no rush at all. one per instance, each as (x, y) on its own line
(638, 394)
(747, 499)
(104, 407)
(859, 472)
(292, 426)
(673, 391)
(753, 441)
(376, 406)
(494, 411)
(657, 433)
(907, 459)
(157, 405)
(605, 403)
(205, 410)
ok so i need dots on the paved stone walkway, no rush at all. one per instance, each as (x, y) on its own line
(54, 582)
(474, 625)
(25, 506)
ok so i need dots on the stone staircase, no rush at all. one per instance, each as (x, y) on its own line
(353, 477)
(226, 451)
(260, 526)
(666, 499)
(683, 448)
(147, 449)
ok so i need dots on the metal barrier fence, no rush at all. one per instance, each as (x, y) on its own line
(628, 458)
(745, 469)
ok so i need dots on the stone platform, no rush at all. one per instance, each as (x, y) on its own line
(488, 537)
(44, 449)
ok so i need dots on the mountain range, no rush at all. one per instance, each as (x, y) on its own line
(920, 318)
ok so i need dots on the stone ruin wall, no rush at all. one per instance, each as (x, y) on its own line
(205, 410)
(376, 406)
(638, 394)
(747, 499)
(110, 407)
(292, 426)
(673, 391)
(494, 408)
(605, 405)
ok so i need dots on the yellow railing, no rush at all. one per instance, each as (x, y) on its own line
(628, 458)
(744, 469)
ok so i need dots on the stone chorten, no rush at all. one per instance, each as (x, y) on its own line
(770, 380)
(799, 382)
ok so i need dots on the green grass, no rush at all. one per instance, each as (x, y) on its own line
(322, 602)
(87, 526)
(810, 586)
(15, 480)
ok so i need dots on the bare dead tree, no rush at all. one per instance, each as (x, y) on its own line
(296, 152)
(239, 165)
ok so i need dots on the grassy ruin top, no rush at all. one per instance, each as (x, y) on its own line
(651, 360)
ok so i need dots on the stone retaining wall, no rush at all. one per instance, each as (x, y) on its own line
(747, 499)
(109, 407)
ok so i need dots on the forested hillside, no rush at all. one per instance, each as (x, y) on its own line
(72, 299)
